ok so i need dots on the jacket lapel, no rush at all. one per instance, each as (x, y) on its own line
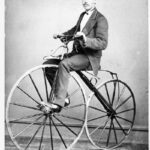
(90, 23)
(78, 23)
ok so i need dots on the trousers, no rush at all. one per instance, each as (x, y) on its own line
(74, 63)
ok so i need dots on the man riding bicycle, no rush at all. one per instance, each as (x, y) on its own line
(91, 31)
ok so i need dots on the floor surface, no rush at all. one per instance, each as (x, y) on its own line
(80, 145)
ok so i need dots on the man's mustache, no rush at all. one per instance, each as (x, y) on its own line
(85, 4)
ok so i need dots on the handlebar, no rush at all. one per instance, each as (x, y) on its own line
(65, 45)
(55, 36)
(71, 37)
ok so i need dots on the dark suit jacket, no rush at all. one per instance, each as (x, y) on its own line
(96, 32)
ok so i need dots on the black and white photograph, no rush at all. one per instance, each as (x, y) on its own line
(75, 75)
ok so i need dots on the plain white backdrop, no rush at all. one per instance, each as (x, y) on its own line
(127, 49)
(2, 74)
(30, 25)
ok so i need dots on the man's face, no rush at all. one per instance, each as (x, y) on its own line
(88, 4)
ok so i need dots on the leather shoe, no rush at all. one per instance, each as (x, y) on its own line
(49, 107)
(67, 102)
(55, 107)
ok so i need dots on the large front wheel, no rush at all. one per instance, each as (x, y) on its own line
(29, 126)
(107, 129)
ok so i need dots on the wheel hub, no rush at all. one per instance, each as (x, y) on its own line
(111, 114)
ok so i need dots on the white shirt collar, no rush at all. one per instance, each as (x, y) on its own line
(85, 19)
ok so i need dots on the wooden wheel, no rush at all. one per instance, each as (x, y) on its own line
(29, 126)
(107, 129)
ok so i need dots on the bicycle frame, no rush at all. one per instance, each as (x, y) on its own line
(98, 95)
(106, 129)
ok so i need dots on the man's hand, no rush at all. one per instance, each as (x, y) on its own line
(81, 34)
(60, 36)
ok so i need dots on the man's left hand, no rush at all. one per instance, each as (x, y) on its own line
(78, 34)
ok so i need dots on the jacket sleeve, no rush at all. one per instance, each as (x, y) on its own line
(99, 42)
(73, 30)
(70, 33)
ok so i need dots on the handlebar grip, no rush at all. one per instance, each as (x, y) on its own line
(55, 36)
(76, 37)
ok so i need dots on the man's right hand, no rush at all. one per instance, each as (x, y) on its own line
(60, 36)
(55, 36)
(82, 35)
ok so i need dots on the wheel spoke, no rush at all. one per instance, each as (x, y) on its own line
(43, 132)
(28, 126)
(59, 134)
(108, 138)
(100, 126)
(97, 118)
(119, 97)
(115, 133)
(131, 109)
(69, 117)
(51, 134)
(124, 102)
(35, 133)
(120, 126)
(118, 91)
(106, 88)
(21, 105)
(124, 119)
(97, 109)
(45, 83)
(35, 87)
(114, 92)
(65, 125)
(25, 117)
(104, 127)
(27, 94)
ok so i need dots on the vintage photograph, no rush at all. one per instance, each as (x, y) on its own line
(76, 74)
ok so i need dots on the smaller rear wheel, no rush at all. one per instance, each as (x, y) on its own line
(106, 129)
